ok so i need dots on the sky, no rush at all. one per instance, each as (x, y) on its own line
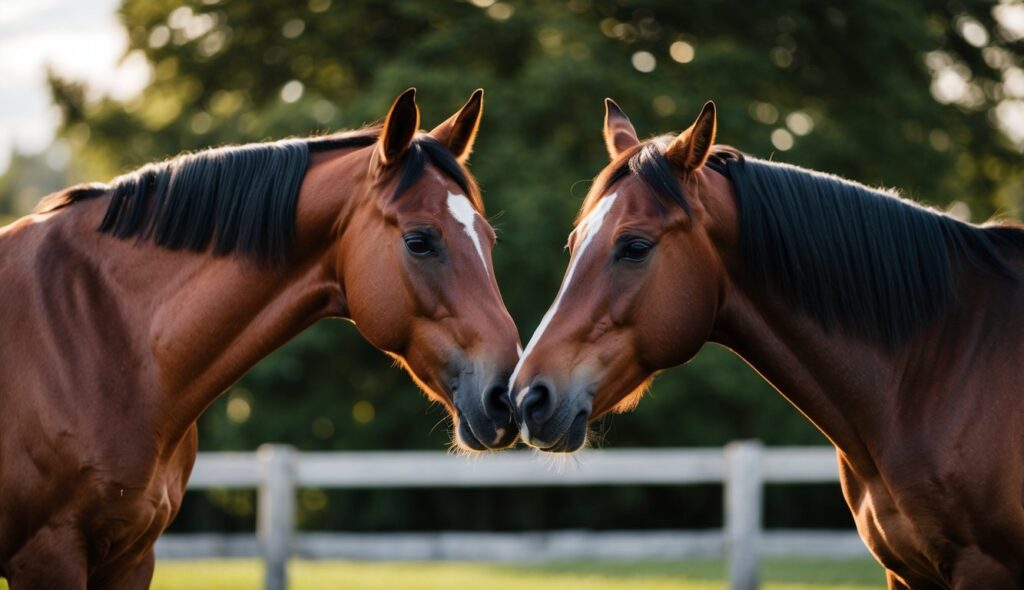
(79, 39)
(82, 40)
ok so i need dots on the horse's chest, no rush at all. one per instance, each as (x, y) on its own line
(905, 541)
(892, 537)
(127, 516)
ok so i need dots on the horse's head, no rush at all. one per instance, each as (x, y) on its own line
(642, 288)
(414, 266)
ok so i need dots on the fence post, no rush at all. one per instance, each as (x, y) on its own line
(743, 491)
(275, 518)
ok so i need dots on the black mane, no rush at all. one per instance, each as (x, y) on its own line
(857, 259)
(240, 199)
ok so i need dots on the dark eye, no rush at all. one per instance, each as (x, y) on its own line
(419, 244)
(636, 250)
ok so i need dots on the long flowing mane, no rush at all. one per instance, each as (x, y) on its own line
(239, 199)
(861, 260)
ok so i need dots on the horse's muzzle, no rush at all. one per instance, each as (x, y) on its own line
(552, 423)
(486, 423)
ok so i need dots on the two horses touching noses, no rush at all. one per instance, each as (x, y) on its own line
(893, 328)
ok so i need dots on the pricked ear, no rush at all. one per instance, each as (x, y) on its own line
(458, 132)
(619, 134)
(400, 127)
(690, 150)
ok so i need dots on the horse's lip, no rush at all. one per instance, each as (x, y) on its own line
(469, 438)
(561, 444)
(469, 433)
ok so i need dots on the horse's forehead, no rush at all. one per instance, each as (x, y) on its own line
(638, 198)
(623, 205)
(462, 210)
(437, 199)
(596, 219)
(428, 196)
(430, 203)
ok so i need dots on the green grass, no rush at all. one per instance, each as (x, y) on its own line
(244, 574)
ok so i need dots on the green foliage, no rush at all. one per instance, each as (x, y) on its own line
(855, 73)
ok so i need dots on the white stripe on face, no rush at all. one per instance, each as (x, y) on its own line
(463, 212)
(588, 228)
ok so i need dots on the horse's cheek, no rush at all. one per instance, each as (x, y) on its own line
(381, 308)
(624, 305)
(676, 319)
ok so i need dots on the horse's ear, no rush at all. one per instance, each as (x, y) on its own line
(690, 150)
(458, 132)
(619, 134)
(400, 127)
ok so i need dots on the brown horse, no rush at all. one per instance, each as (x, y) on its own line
(116, 340)
(895, 329)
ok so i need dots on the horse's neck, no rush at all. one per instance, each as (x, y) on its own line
(199, 322)
(859, 393)
(219, 317)
(837, 382)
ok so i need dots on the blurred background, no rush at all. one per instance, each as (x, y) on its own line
(925, 96)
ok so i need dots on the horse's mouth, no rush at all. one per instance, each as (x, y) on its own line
(572, 439)
(501, 437)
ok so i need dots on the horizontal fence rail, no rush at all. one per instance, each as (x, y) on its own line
(742, 467)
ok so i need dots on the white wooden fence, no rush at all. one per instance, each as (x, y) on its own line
(743, 467)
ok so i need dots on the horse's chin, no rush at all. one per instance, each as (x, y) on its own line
(572, 440)
(466, 439)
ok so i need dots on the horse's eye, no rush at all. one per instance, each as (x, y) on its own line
(419, 245)
(636, 250)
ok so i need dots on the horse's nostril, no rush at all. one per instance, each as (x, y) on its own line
(537, 403)
(497, 404)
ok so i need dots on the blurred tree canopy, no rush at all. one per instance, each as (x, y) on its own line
(900, 94)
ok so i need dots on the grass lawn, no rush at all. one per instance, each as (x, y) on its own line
(245, 574)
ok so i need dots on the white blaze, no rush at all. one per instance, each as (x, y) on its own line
(463, 212)
(588, 228)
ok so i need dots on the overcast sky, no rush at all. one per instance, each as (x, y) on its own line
(80, 39)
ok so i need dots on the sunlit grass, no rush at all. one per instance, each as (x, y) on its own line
(245, 574)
